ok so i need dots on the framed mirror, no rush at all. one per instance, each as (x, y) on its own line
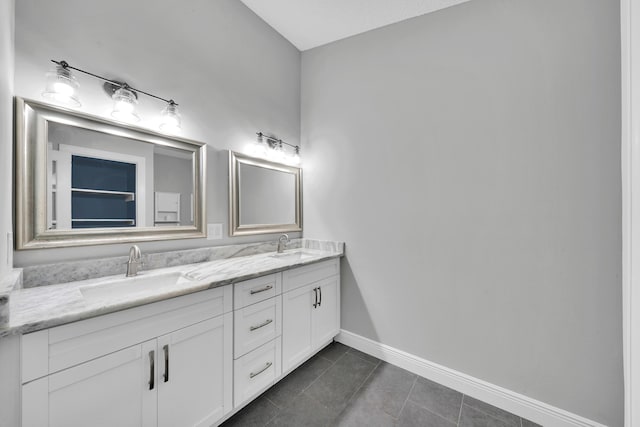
(82, 180)
(264, 197)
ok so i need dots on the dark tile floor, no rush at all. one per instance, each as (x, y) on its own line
(341, 386)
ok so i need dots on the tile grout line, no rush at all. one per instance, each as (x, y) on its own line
(272, 418)
(362, 358)
(359, 388)
(322, 373)
(430, 410)
(331, 363)
(272, 402)
(460, 413)
(502, 420)
(415, 380)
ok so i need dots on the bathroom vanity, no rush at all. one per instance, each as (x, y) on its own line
(197, 334)
(190, 351)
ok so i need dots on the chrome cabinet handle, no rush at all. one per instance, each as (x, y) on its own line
(166, 363)
(315, 291)
(257, 291)
(320, 292)
(265, 323)
(255, 374)
(152, 369)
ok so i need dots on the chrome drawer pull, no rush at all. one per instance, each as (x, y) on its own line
(265, 323)
(166, 363)
(257, 291)
(267, 366)
(151, 370)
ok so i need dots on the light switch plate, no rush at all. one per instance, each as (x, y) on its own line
(214, 231)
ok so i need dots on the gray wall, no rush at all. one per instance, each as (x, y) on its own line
(470, 159)
(231, 73)
(175, 175)
(6, 127)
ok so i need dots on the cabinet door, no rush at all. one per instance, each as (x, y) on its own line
(326, 316)
(297, 307)
(118, 389)
(195, 373)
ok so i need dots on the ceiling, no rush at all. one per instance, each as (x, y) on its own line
(311, 23)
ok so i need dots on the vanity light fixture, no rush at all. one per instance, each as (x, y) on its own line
(274, 149)
(296, 156)
(124, 105)
(62, 87)
(170, 118)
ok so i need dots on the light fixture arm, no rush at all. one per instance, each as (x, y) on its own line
(275, 141)
(64, 64)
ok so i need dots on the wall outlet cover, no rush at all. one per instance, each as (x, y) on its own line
(214, 231)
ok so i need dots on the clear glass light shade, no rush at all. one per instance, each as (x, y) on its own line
(258, 148)
(62, 87)
(296, 160)
(279, 155)
(171, 121)
(124, 106)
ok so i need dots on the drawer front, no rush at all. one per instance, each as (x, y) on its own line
(301, 276)
(256, 371)
(256, 325)
(256, 290)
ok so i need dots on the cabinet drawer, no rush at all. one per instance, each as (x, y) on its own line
(256, 371)
(256, 290)
(301, 276)
(257, 324)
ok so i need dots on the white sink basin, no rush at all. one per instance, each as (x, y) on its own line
(128, 286)
(294, 255)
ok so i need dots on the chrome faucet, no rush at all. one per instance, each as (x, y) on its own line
(282, 243)
(135, 261)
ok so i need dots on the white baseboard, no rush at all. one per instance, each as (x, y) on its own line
(526, 407)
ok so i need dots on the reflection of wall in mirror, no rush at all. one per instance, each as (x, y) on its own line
(174, 175)
(267, 196)
(88, 139)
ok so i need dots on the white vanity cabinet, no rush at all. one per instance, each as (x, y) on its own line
(310, 310)
(163, 364)
(188, 361)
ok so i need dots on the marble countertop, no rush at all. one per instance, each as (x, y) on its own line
(44, 307)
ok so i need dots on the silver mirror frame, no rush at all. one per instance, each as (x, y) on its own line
(237, 229)
(31, 128)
